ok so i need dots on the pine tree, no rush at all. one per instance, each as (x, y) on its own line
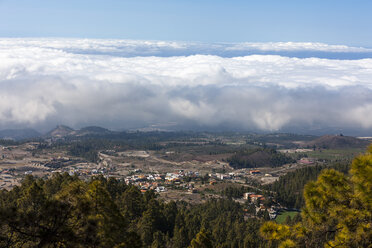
(337, 212)
(202, 240)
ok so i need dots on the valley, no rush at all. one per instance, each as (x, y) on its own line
(191, 167)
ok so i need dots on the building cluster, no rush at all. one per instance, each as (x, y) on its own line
(272, 210)
(160, 182)
(255, 172)
(177, 176)
(306, 161)
(253, 197)
(169, 177)
(257, 200)
(227, 176)
(136, 179)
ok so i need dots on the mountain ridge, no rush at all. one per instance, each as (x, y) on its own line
(337, 141)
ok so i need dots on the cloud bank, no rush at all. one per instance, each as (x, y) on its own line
(134, 48)
(132, 84)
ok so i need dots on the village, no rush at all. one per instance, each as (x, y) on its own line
(191, 181)
(183, 168)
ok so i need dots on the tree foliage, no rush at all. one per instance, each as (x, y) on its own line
(64, 211)
(289, 188)
(258, 157)
(337, 212)
(202, 240)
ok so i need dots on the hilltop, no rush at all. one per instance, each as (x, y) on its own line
(337, 142)
(64, 131)
(60, 131)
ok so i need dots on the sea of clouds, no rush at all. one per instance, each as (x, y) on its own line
(123, 84)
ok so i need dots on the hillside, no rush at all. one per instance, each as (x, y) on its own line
(60, 131)
(260, 157)
(92, 130)
(18, 134)
(337, 142)
(69, 212)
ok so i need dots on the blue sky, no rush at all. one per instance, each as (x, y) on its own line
(328, 21)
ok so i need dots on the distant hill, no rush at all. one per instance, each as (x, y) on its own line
(337, 142)
(19, 134)
(63, 131)
(92, 130)
(260, 157)
(60, 131)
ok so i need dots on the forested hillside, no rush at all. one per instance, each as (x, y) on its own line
(289, 188)
(337, 211)
(64, 211)
(337, 142)
(259, 157)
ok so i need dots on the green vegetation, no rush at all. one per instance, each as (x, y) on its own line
(64, 211)
(282, 217)
(259, 157)
(337, 212)
(289, 188)
(202, 240)
(337, 142)
(234, 191)
(335, 154)
(8, 142)
(283, 139)
(84, 150)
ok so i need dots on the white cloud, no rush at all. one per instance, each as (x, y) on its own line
(132, 48)
(50, 81)
(295, 46)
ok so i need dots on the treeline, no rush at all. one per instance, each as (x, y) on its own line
(289, 188)
(258, 157)
(64, 211)
(8, 142)
(234, 192)
(84, 150)
(87, 147)
(238, 192)
(133, 140)
(285, 139)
